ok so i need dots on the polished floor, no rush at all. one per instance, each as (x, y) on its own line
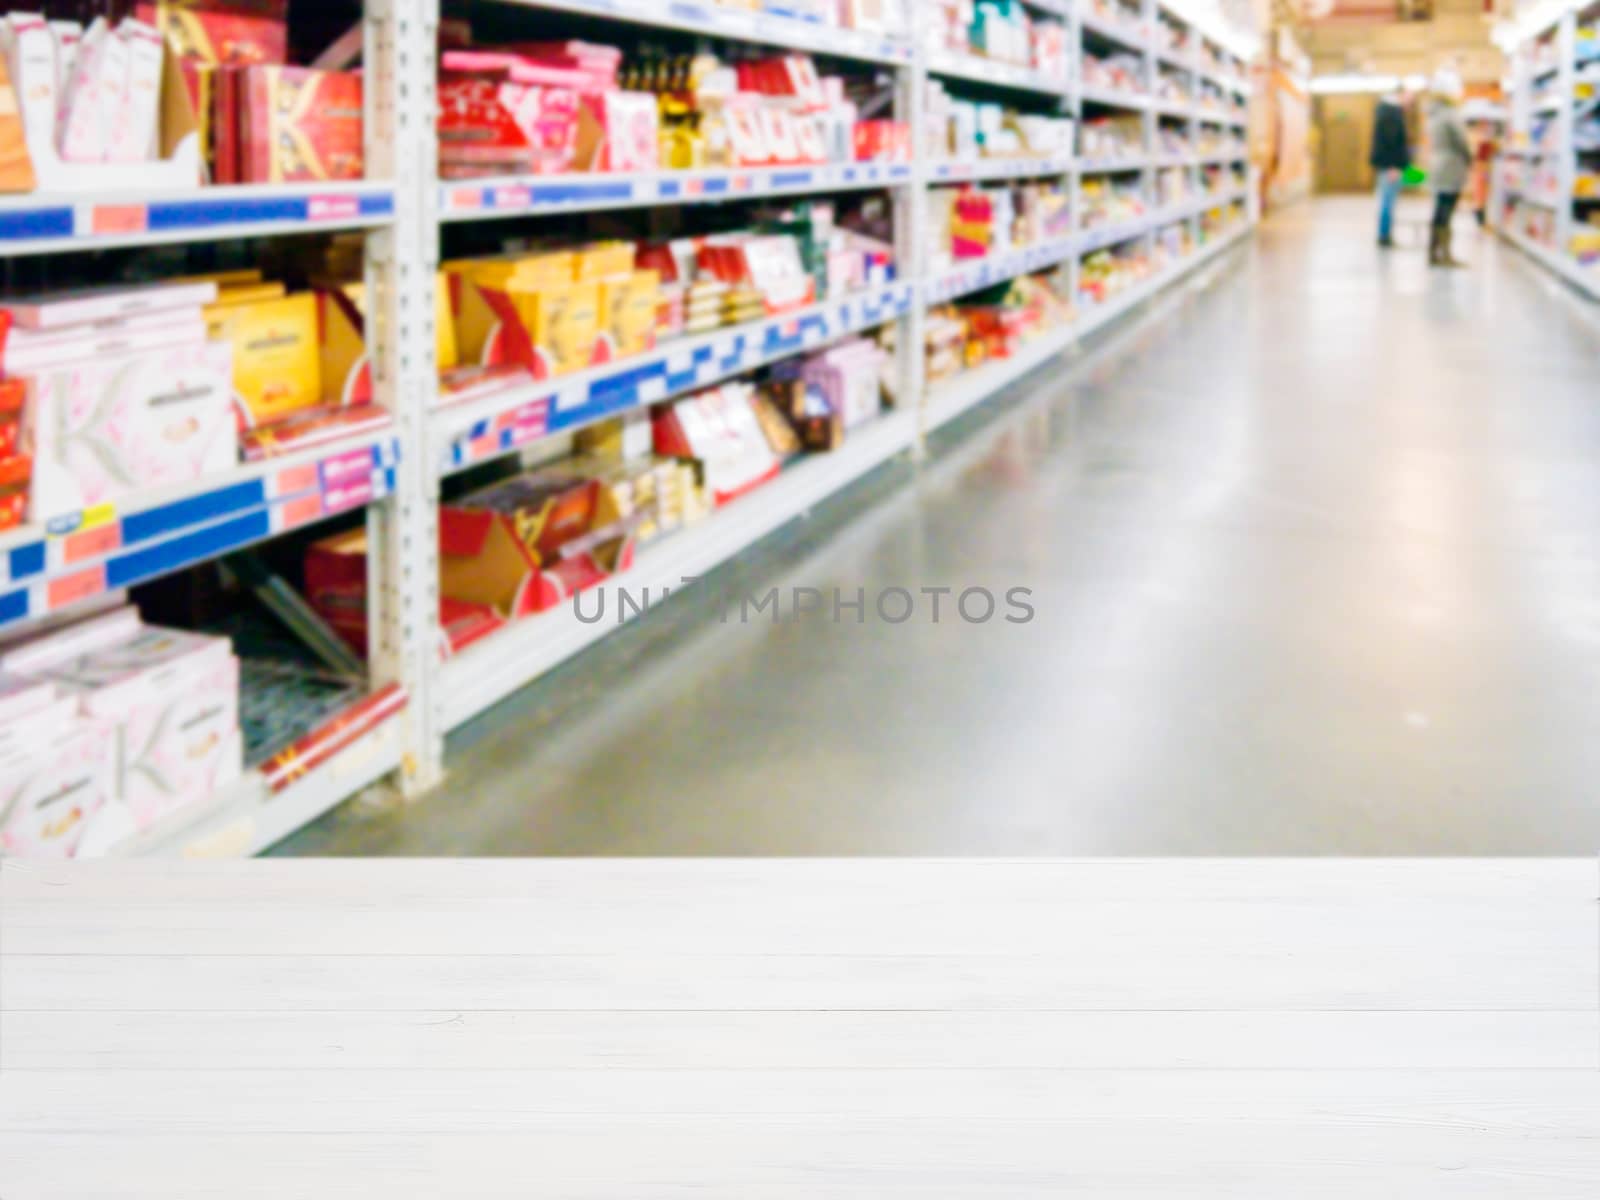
(1313, 549)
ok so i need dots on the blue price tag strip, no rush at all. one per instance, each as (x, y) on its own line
(169, 537)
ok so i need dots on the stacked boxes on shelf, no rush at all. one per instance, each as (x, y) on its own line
(116, 725)
(179, 93)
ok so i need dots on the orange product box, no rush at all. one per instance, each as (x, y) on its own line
(16, 165)
(277, 371)
(299, 125)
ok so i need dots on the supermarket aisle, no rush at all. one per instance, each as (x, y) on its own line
(1315, 559)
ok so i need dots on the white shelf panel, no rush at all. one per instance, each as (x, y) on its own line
(538, 195)
(1585, 279)
(485, 429)
(1175, 59)
(492, 669)
(45, 570)
(1102, 236)
(1113, 31)
(717, 20)
(985, 272)
(1181, 109)
(42, 223)
(950, 399)
(1117, 166)
(1114, 98)
(1004, 168)
(249, 817)
(980, 273)
(983, 70)
(1536, 199)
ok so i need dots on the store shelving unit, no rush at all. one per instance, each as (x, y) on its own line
(1546, 183)
(395, 474)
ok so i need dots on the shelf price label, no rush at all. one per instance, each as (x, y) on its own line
(111, 220)
(511, 196)
(333, 208)
(301, 511)
(80, 585)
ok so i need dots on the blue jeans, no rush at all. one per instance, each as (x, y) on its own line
(1388, 193)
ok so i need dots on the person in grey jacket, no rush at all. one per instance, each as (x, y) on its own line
(1451, 162)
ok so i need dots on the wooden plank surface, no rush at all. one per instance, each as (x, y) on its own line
(801, 1029)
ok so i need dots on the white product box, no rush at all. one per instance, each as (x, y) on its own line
(134, 123)
(89, 305)
(111, 427)
(51, 792)
(31, 60)
(20, 696)
(173, 699)
(81, 137)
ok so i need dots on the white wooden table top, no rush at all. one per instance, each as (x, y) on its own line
(798, 1030)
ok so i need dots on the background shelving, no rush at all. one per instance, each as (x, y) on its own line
(1546, 184)
(1182, 167)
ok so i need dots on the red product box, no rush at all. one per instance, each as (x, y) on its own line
(12, 393)
(16, 472)
(222, 31)
(300, 125)
(336, 589)
(518, 127)
(882, 141)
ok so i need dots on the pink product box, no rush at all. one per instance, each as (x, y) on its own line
(848, 376)
(627, 127)
(109, 427)
(50, 792)
(173, 699)
(61, 309)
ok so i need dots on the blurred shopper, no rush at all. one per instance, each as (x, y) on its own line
(1484, 148)
(1391, 155)
(1450, 152)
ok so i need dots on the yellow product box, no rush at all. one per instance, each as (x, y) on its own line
(277, 367)
(445, 351)
(602, 260)
(629, 306)
(249, 293)
(562, 324)
(225, 279)
(342, 319)
(474, 292)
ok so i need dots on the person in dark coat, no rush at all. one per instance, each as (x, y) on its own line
(1391, 155)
